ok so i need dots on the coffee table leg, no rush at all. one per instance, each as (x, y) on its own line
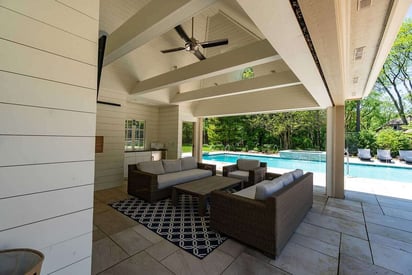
(202, 205)
(174, 196)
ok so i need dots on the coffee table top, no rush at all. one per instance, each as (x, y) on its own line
(207, 185)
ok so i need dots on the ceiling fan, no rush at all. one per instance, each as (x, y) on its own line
(192, 45)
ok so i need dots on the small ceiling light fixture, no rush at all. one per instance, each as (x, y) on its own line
(364, 4)
(355, 80)
(358, 54)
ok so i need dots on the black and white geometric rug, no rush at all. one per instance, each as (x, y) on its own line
(180, 225)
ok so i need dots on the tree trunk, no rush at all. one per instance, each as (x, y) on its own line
(358, 116)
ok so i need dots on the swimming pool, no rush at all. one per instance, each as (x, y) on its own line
(373, 171)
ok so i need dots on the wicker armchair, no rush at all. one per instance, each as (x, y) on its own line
(264, 224)
(249, 176)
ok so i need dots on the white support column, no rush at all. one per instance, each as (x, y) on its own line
(198, 139)
(335, 147)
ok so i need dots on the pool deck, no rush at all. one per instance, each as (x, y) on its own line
(365, 185)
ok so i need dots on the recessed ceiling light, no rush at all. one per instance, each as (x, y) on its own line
(355, 80)
(358, 54)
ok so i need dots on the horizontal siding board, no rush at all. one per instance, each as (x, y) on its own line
(24, 150)
(48, 232)
(45, 65)
(20, 180)
(18, 89)
(58, 15)
(89, 7)
(37, 35)
(82, 267)
(65, 253)
(24, 120)
(38, 205)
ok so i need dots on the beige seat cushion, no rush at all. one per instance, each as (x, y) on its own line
(238, 174)
(248, 192)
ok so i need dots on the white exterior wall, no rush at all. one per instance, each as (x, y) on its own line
(48, 70)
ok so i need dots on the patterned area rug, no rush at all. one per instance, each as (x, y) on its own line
(180, 225)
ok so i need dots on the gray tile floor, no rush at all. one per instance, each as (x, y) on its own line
(363, 234)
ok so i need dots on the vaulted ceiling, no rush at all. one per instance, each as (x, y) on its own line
(307, 54)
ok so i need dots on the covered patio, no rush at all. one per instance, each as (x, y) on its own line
(305, 55)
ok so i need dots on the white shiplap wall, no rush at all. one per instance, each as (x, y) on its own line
(110, 124)
(170, 129)
(48, 62)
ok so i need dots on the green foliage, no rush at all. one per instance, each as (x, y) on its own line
(367, 139)
(393, 140)
(268, 133)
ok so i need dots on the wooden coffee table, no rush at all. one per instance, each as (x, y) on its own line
(202, 188)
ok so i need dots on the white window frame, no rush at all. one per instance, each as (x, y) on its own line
(135, 134)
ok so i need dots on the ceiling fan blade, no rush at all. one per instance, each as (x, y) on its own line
(199, 55)
(173, 50)
(214, 43)
(182, 33)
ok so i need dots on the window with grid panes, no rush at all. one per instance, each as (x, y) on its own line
(134, 134)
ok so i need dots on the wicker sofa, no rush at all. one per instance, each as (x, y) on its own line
(250, 171)
(264, 224)
(153, 180)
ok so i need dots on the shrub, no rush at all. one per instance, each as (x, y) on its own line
(392, 140)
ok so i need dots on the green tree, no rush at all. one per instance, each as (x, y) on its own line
(395, 76)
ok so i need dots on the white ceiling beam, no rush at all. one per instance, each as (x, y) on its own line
(272, 81)
(274, 100)
(153, 20)
(251, 55)
(277, 21)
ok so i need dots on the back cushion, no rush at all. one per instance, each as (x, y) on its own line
(286, 178)
(188, 163)
(297, 174)
(266, 188)
(171, 166)
(153, 167)
(247, 164)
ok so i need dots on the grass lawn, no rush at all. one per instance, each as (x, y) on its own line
(188, 148)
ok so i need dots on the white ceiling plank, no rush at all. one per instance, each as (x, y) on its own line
(275, 100)
(153, 20)
(251, 55)
(277, 21)
(272, 81)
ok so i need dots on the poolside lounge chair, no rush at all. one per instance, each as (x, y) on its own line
(384, 155)
(405, 153)
(364, 154)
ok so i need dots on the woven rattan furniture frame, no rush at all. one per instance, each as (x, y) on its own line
(256, 175)
(144, 185)
(266, 225)
(202, 188)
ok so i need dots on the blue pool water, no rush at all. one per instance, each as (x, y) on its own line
(373, 171)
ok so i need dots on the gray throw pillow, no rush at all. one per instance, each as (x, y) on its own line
(188, 163)
(153, 167)
(171, 166)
